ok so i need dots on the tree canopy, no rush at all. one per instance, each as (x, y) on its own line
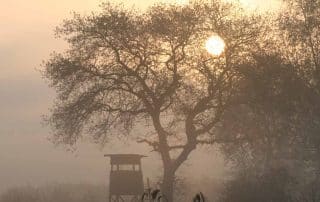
(125, 69)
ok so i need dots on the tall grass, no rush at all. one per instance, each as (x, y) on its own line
(56, 193)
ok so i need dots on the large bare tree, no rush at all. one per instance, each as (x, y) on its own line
(124, 69)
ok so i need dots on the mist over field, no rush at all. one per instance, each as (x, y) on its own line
(235, 117)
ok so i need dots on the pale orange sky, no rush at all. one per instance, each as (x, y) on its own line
(26, 157)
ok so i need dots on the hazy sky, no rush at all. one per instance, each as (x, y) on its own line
(26, 157)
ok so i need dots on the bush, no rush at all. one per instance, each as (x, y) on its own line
(272, 186)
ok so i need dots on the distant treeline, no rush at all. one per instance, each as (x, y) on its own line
(56, 193)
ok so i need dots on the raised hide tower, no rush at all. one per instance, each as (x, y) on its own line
(126, 179)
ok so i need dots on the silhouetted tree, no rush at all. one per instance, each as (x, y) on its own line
(124, 69)
(300, 23)
(265, 126)
(278, 127)
(267, 135)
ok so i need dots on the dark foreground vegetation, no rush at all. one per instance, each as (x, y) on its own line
(56, 193)
(243, 189)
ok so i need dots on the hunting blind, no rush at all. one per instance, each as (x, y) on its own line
(126, 178)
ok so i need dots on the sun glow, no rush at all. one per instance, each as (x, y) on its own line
(182, 2)
(215, 45)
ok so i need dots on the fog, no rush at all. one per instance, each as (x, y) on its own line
(26, 155)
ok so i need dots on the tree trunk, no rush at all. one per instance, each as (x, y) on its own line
(167, 185)
(170, 166)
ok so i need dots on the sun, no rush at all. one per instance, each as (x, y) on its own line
(215, 45)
